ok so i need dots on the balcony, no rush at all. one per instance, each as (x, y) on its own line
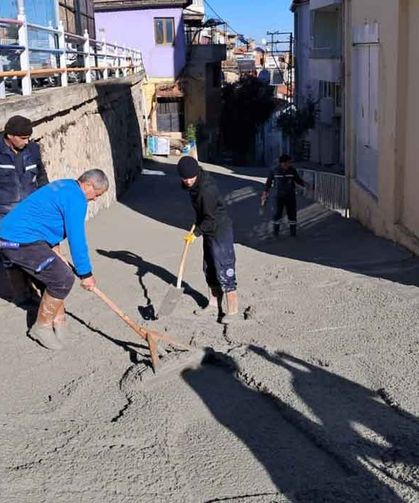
(203, 54)
(326, 29)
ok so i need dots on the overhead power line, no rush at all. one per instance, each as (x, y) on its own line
(220, 17)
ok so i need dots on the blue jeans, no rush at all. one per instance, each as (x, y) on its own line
(220, 261)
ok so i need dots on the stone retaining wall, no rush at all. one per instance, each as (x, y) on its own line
(87, 126)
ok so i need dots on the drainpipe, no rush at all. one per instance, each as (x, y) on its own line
(57, 14)
(347, 81)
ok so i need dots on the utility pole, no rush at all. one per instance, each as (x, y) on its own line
(283, 43)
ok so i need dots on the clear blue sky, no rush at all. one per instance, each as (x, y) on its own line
(253, 18)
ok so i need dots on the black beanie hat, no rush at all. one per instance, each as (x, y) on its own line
(188, 167)
(18, 126)
(285, 158)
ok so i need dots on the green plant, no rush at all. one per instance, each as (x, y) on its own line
(191, 133)
(247, 104)
(295, 122)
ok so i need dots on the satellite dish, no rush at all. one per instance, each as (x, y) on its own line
(264, 41)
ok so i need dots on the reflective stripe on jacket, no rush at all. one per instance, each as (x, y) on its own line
(20, 174)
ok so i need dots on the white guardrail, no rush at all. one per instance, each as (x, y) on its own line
(328, 189)
(62, 58)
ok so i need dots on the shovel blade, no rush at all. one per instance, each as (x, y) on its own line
(170, 301)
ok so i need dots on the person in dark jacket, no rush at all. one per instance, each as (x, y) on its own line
(284, 178)
(21, 167)
(214, 225)
(21, 173)
(30, 235)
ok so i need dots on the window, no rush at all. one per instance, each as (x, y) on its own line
(331, 90)
(78, 16)
(86, 17)
(68, 15)
(365, 105)
(170, 115)
(164, 29)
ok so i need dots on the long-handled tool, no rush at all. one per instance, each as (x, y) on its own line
(150, 336)
(175, 293)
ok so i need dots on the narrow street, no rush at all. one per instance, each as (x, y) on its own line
(311, 396)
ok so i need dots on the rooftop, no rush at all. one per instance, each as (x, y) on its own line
(113, 5)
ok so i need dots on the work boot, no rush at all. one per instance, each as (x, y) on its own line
(43, 331)
(293, 230)
(276, 230)
(60, 326)
(214, 306)
(232, 307)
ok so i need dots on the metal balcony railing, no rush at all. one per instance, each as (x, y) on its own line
(58, 58)
(211, 35)
(328, 189)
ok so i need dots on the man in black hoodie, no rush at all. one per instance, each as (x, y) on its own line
(214, 224)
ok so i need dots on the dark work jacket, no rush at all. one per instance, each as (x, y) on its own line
(211, 215)
(284, 181)
(20, 174)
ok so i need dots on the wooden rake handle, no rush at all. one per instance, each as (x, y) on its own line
(142, 332)
(150, 336)
(183, 261)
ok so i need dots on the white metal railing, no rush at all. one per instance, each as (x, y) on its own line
(329, 189)
(72, 58)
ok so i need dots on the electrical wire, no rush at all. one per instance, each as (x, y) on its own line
(220, 17)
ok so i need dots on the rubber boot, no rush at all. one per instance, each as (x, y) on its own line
(293, 230)
(276, 230)
(232, 307)
(43, 331)
(60, 325)
(214, 306)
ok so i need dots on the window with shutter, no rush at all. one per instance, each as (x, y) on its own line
(365, 105)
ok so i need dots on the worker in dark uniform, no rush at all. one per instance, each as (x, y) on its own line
(21, 173)
(214, 225)
(284, 178)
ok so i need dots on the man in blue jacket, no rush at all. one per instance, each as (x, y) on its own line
(30, 232)
(21, 173)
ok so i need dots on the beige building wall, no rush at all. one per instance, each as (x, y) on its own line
(393, 211)
(409, 142)
(149, 89)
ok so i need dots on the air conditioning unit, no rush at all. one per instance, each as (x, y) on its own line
(327, 111)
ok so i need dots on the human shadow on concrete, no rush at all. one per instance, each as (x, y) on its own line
(137, 352)
(304, 460)
(148, 312)
(358, 423)
(324, 237)
(118, 112)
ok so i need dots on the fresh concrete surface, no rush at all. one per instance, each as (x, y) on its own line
(311, 396)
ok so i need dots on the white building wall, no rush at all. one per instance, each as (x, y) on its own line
(302, 51)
